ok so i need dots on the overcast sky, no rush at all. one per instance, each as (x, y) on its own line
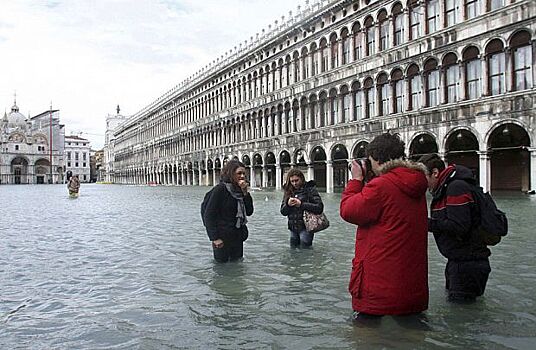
(87, 56)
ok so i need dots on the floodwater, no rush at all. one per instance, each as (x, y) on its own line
(126, 267)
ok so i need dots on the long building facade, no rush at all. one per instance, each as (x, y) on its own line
(454, 77)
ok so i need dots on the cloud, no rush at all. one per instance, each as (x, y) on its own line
(88, 56)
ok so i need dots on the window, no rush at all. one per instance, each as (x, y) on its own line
(346, 107)
(472, 8)
(384, 31)
(358, 108)
(16, 147)
(473, 72)
(383, 91)
(433, 15)
(452, 82)
(522, 51)
(345, 48)
(397, 86)
(371, 37)
(84, 156)
(76, 165)
(370, 99)
(451, 11)
(496, 67)
(415, 21)
(432, 83)
(314, 61)
(68, 155)
(495, 4)
(305, 65)
(69, 164)
(76, 155)
(296, 67)
(324, 54)
(415, 86)
(334, 52)
(334, 109)
(399, 29)
(358, 37)
(84, 165)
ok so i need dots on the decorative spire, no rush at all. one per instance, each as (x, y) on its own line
(118, 109)
(14, 108)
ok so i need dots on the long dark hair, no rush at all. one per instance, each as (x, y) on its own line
(289, 189)
(229, 169)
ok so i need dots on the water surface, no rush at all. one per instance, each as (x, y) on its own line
(125, 267)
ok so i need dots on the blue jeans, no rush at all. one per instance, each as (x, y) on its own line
(301, 239)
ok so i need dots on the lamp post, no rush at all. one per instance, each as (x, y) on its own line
(50, 126)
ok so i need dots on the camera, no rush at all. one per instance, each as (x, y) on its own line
(366, 168)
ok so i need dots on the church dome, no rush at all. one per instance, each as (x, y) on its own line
(16, 119)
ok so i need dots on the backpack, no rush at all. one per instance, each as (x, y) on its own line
(204, 204)
(492, 224)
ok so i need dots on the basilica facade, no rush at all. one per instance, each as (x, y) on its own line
(31, 148)
(453, 77)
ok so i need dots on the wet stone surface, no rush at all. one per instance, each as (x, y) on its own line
(131, 268)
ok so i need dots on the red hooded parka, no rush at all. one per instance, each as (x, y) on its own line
(390, 267)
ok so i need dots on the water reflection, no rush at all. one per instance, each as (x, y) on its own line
(131, 267)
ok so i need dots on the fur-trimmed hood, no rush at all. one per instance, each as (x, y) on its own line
(409, 176)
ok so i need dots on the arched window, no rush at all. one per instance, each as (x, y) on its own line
(472, 8)
(452, 12)
(452, 78)
(357, 97)
(296, 58)
(383, 93)
(333, 107)
(323, 109)
(346, 104)
(371, 36)
(415, 15)
(370, 98)
(304, 54)
(397, 81)
(473, 73)
(314, 60)
(334, 48)
(358, 39)
(288, 73)
(398, 21)
(432, 13)
(275, 77)
(384, 30)
(522, 51)
(324, 53)
(345, 46)
(415, 86)
(496, 67)
(431, 74)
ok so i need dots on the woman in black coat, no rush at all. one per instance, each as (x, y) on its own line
(299, 196)
(226, 211)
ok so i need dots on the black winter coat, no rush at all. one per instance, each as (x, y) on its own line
(220, 215)
(311, 201)
(454, 216)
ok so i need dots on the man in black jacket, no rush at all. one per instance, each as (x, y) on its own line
(453, 221)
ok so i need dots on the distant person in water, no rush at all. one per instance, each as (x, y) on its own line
(225, 213)
(300, 195)
(73, 185)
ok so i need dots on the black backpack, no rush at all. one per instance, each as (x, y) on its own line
(492, 224)
(204, 204)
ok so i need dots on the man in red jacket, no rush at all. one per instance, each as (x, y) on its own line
(390, 267)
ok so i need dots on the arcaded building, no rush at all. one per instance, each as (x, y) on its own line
(454, 77)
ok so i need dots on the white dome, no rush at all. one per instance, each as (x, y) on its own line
(16, 119)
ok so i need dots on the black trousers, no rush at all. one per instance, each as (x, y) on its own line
(231, 251)
(466, 280)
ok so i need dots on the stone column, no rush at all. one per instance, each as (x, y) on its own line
(310, 172)
(532, 152)
(485, 77)
(200, 183)
(278, 176)
(509, 69)
(329, 176)
(214, 180)
(407, 25)
(485, 167)
(463, 80)
(252, 180)
(264, 176)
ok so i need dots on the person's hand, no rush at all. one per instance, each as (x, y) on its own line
(357, 171)
(217, 243)
(243, 184)
(297, 202)
(291, 201)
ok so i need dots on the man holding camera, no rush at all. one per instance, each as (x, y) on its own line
(390, 267)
